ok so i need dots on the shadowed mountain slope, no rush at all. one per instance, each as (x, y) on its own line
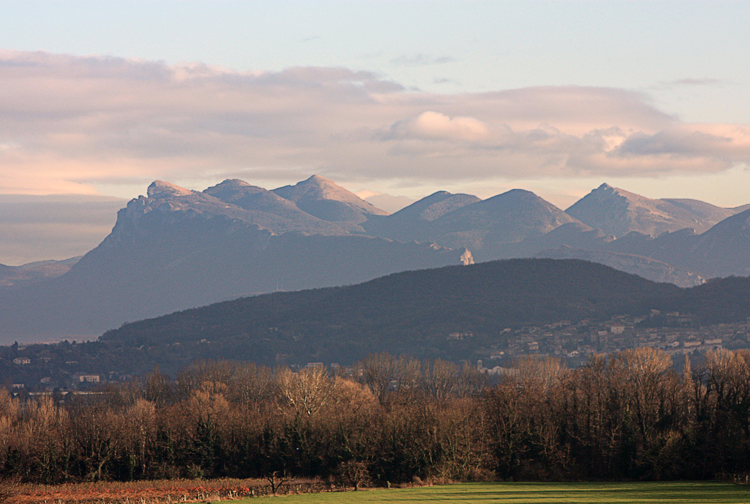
(486, 226)
(721, 251)
(412, 222)
(651, 269)
(177, 248)
(411, 312)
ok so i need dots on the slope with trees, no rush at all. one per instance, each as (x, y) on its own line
(623, 416)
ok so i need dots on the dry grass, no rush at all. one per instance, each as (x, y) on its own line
(158, 492)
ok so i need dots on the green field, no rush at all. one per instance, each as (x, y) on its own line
(542, 493)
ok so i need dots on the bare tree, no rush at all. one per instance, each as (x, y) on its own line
(277, 480)
(470, 381)
(93, 429)
(385, 374)
(440, 379)
(251, 384)
(157, 387)
(354, 474)
(139, 430)
(306, 391)
(645, 372)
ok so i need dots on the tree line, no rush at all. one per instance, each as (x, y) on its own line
(389, 419)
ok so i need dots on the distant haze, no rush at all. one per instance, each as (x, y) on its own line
(36, 228)
(385, 201)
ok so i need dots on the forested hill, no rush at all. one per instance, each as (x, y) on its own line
(412, 312)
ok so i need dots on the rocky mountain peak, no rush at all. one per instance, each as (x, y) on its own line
(434, 206)
(162, 189)
(328, 201)
(319, 179)
(617, 212)
(232, 183)
(317, 187)
(232, 189)
(606, 191)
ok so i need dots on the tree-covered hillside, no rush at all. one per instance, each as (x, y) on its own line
(414, 312)
(453, 313)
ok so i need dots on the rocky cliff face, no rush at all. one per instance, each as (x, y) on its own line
(325, 200)
(620, 212)
(175, 249)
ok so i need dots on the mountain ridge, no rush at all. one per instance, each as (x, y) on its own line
(328, 201)
(177, 248)
(618, 212)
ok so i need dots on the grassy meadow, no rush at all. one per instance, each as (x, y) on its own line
(542, 493)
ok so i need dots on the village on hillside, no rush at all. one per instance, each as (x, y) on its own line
(40, 368)
(676, 334)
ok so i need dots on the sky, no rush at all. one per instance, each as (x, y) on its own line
(99, 98)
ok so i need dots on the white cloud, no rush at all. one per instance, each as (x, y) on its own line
(434, 125)
(75, 124)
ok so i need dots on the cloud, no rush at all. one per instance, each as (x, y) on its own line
(77, 124)
(729, 143)
(693, 82)
(436, 126)
(421, 60)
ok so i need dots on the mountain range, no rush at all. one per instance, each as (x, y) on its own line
(176, 248)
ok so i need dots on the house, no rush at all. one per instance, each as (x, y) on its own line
(22, 361)
(88, 378)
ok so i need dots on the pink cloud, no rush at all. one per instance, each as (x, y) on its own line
(69, 124)
(434, 125)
